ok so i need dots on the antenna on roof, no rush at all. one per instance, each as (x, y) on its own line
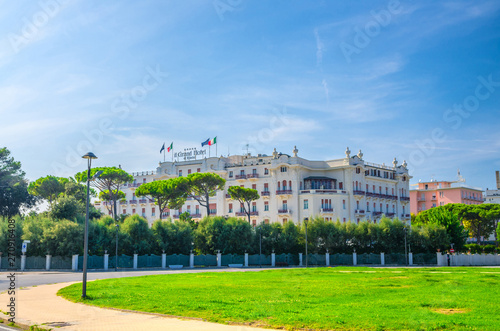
(461, 179)
(247, 146)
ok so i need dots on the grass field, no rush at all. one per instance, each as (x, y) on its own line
(317, 298)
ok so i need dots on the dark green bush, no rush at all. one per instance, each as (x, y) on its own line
(474, 248)
(490, 249)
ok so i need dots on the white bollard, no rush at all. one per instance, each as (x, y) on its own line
(327, 255)
(164, 261)
(354, 259)
(135, 261)
(74, 263)
(300, 259)
(273, 260)
(23, 262)
(106, 261)
(410, 258)
(246, 259)
(382, 258)
(48, 259)
(439, 258)
(191, 260)
(219, 260)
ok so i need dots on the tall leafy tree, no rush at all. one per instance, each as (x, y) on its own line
(77, 190)
(110, 179)
(480, 220)
(173, 238)
(67, 208)
(245, 196)
(229, 236)
(138, 235)
(106, 197)
(447, 217)
(170, 192)
(202, 186)
(13, 186)
(48, 188)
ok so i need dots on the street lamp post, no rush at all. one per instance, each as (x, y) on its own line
(117, 228)
(116, 246)
(260, 245)
(89, 156)
(406, 252)
(305, 223)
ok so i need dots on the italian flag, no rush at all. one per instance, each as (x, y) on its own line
(169, 148)
(212, 141)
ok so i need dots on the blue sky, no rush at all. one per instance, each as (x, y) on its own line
(120, 78)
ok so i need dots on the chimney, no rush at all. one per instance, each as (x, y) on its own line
(498, 179)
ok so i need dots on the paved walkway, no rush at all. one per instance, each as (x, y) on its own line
(40, 305)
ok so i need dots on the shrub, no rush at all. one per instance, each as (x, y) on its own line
(474, 248)
(490, 249)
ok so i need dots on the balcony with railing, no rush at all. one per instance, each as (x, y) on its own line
(265, 193)
(358, 192)
(405, 215)
(254, 213)
(123, 202)
(253, 176)
(377, 213)
(326, 210)
(134, 184)
(284, 211)
(228, 196)
(359, 211)
(143, 200)
(284, 192)
(241, 213)
(404, 198)
(196, 215)
(240, 177)
(420, 199)
(390, 214)
(378, 195)
(133, 202)
(322, 191)
(175, 216)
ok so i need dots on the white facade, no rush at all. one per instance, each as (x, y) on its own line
(492, 196)
(291, 188)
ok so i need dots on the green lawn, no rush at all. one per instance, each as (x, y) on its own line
(318, 298)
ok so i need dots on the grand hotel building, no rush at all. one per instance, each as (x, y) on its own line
(291, 188)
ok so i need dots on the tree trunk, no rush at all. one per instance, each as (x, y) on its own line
(208, 204)
(115, 216)
(249, 211)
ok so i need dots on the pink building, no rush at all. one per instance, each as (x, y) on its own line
(432, 194)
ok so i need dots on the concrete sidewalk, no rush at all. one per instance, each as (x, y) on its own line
(40, 305)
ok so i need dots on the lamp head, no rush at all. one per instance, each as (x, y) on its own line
(89, 155)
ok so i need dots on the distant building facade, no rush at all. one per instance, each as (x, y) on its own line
(431, 194)
(291, 188)
(493, 196)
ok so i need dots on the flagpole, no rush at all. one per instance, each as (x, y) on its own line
(164, 153)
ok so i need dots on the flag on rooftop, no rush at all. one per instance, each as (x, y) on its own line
(171, 147)
(205, 142)
(212, 141)
(162, 148)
